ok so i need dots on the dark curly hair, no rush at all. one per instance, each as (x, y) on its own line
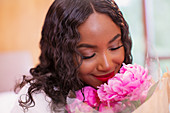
(57, 72)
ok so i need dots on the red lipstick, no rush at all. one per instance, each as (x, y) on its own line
(105, 78)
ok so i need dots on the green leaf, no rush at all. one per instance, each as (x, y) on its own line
(151, 90)
(130, 106)
(136, 103)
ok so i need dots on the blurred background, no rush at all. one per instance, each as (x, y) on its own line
(20, 29)
(149, 27)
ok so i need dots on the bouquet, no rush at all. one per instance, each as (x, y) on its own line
(159, 101)
(123, 93)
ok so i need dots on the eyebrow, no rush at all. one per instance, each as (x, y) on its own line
(114, 38)
(86, 45)
(93, 46)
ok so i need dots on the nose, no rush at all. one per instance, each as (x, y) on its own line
(105, 63)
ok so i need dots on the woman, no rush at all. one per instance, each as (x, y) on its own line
(84, 42)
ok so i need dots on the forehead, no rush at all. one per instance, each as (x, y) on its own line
(98, 26)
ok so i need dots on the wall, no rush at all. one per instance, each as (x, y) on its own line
(20, 25)
(20, 30)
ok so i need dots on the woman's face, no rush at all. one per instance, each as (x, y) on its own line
(101, 47)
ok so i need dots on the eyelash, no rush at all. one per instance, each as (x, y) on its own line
(112, 49)
(88, 57)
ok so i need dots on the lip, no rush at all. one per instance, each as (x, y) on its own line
(105, 78)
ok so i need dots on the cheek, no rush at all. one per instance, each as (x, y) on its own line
(122, 56)
(87, 67)
(119, 58)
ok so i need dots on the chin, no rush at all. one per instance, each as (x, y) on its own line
(96, 85)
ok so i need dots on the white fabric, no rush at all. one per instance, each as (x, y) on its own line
(7, 100)
(41, 102)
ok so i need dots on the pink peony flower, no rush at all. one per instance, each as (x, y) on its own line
(139, 81)
(90, 96)
(131, 83)
(86, 100)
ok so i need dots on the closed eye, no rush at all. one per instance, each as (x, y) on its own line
(88, 57)
(112, 49)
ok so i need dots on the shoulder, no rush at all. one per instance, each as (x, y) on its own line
(42, 102)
